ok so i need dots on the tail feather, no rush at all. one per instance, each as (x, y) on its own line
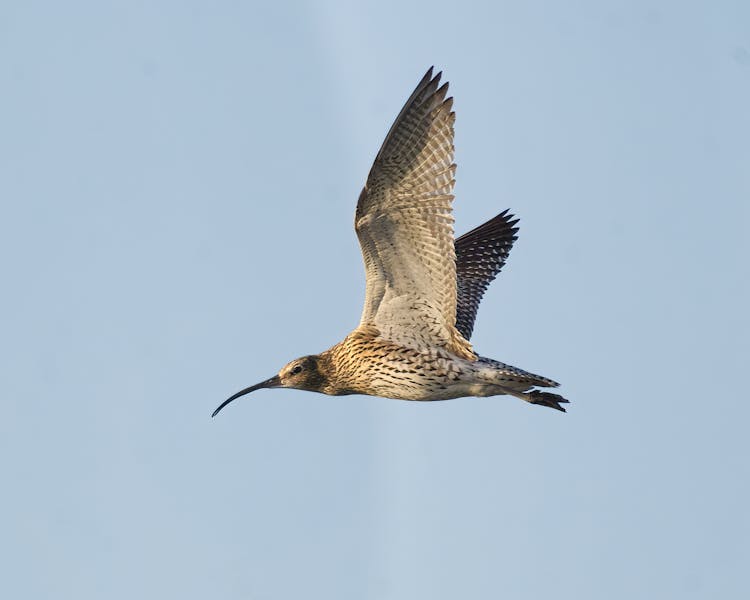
(509, 373)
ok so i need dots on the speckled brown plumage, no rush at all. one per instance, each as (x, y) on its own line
(422, 287)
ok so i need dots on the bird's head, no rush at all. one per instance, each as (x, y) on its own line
(301, 374)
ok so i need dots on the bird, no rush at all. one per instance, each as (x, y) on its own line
(423, 288)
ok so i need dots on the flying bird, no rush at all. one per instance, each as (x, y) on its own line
(423, 287)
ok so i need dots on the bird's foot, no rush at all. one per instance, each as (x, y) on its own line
(547, 399)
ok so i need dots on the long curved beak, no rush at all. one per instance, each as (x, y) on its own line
(268, 383)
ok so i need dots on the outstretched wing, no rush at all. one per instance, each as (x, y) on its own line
(405, 226)
(480, 254)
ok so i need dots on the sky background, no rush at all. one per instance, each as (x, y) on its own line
(177, 188)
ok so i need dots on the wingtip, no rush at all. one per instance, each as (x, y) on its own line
(430, 77)
(505, 221)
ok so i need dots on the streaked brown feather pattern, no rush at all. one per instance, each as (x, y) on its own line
(405, 226)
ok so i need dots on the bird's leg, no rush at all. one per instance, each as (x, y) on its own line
(537, 397)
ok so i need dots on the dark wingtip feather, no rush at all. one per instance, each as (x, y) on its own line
(480, 255)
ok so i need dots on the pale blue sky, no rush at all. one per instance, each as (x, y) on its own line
(178, 182)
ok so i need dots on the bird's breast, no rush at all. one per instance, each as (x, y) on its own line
(378, 367)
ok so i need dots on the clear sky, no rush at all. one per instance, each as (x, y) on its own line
(178, 183)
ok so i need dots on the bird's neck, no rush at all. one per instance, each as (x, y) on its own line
(341, 367)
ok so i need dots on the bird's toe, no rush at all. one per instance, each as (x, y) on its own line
(548, 399)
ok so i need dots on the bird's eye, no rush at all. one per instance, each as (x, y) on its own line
(297, 370)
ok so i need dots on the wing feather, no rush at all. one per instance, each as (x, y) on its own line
(480, 254)
(405, 226)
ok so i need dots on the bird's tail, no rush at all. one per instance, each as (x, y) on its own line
(517, 378)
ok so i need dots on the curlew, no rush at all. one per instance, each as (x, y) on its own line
(423, 287)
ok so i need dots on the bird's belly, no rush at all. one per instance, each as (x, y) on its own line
(427, 386)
